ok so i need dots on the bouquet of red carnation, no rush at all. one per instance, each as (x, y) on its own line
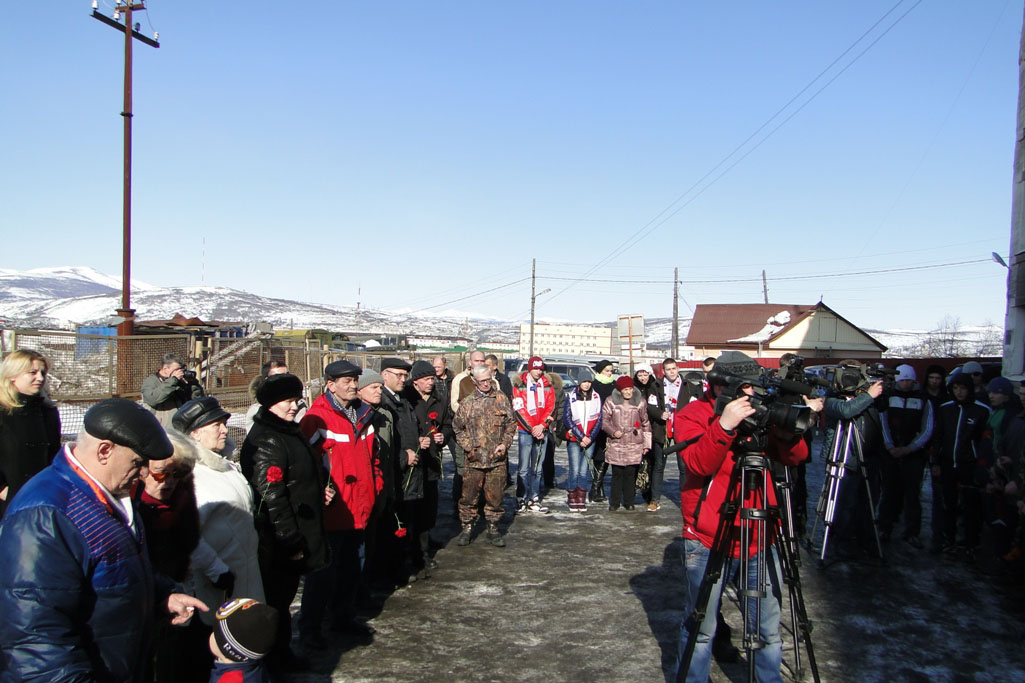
(637, 425)
(274, 476)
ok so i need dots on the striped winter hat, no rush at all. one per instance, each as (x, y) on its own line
(245, 629)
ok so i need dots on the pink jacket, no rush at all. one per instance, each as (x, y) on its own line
(631, 418)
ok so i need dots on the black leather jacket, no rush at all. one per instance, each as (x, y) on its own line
(290, 499)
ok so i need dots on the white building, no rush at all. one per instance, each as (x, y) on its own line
(568, 340)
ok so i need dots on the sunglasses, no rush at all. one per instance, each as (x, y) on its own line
(172, 474)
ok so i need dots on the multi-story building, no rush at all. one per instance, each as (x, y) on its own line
(568, 340)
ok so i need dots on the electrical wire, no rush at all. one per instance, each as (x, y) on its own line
(655, 223)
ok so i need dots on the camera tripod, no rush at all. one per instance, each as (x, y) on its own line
(751, 480)
(846, 441)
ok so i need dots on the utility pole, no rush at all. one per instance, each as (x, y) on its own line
(765, 288)
(675, 343)
(533, 297)
(1014, 320)
(126, 313)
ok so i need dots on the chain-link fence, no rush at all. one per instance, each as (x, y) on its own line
(86, 368)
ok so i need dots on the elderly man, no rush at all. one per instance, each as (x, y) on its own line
(338, 426)
(485, 427)
(169, 388)
(462, 386)
(77, 590)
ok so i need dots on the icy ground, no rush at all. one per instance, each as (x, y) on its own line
(598, 597)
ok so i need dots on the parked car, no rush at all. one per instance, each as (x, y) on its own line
(567, 369)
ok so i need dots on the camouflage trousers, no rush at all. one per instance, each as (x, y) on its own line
(492, 482)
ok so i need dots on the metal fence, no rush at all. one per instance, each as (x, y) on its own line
(86, 368)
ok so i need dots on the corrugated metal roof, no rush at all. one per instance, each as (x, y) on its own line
(716, 324)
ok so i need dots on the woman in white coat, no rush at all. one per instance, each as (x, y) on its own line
(224, 564)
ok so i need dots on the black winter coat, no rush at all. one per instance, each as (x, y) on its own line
(289, 500)
(960, 430)
(655, 398)
(407, 430)
(29, 438)
(862, 411)
(429, 466)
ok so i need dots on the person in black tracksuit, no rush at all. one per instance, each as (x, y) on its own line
(655, 400)
(907, 428)
(961, 428)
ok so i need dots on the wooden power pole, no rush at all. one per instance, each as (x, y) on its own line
(1014, 321)
(765, 288)
(126, 313)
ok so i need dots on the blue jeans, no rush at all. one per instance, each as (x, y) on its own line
(530, 451)
(579, 465)
(769, 657)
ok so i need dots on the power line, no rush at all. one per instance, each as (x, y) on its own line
(654, 223)
(471, 296)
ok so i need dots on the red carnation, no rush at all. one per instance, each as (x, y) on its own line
(637, 424)
(274, 474)
(400, 532)
(432, 416)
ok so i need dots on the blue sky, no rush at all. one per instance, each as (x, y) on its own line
(422, 153)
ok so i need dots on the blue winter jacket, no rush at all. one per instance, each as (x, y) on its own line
(76, 588)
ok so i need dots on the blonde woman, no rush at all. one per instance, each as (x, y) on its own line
(29, 423)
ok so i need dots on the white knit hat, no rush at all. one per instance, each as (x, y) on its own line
(905, 372)
(643, 367)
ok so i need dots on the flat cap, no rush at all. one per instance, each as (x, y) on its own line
(128, 424)
(342, 368)
(277, 388)
(199, 412)
(370, 377)
(396, 363)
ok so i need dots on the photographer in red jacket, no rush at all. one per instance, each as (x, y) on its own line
(709, 460)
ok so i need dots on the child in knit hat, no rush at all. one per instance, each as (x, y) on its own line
(244, 632)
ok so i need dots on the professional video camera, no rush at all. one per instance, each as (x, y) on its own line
(851, 377)
(190, 377)
(776, 398)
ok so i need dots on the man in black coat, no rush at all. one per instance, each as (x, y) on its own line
(420, 478)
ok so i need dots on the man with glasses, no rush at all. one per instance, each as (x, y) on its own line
(77, 590)
(485, 427)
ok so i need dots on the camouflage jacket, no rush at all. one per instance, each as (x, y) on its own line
(484, 422)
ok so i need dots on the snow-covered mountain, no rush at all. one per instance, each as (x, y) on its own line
(64, 297)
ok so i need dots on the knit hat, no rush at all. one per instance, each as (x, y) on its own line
(585, 375)
(905, 372)
(421, 368)
(277, 388)
(624, 382)
(935, 368)
(1000, 385)
(737, 364)
(535, 363)
(601, 365)
(643, 367)
(970, 367)
(964, 380)
(245, 629)
(341, 368)
(370, 377)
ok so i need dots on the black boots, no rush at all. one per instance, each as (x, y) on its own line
(598, 487)
(494, 537)
(464, 535)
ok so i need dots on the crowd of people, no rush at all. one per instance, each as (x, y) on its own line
(152, 547)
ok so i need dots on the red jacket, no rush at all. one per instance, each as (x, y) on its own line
(350, 456)
(709, 464)
(521, 403)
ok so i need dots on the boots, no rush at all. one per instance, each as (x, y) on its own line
(571, 499)
(598, 488)
(581, 500)
(464, 535)
(494, 537)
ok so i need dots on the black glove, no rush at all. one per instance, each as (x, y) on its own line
(226, 582)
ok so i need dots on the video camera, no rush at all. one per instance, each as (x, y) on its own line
(777, 398)
(851, 377)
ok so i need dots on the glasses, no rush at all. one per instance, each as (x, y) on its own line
(172, 474)
(398, 373)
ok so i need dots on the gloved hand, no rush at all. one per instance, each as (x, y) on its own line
(226, 582)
